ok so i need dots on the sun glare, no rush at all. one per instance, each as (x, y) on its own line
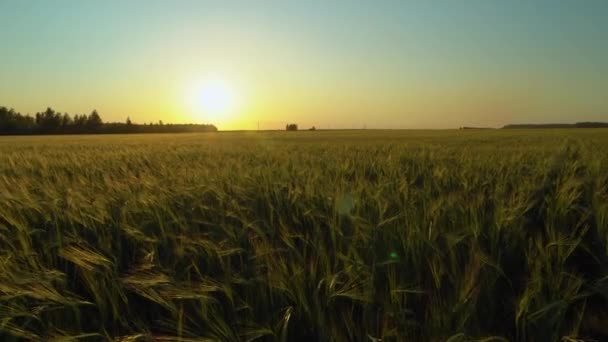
(214, 100)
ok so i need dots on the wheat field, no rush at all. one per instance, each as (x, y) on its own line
(305, 236)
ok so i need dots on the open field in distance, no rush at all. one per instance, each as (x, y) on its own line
(303, 236)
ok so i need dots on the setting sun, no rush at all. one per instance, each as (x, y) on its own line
(213, 100)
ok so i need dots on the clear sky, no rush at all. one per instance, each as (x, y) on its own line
(338, 64)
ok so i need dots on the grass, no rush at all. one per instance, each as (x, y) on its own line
(327, 236)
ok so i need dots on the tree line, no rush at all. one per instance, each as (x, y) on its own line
(52, 122)
(574, 125)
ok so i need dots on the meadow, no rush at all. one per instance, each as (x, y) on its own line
(489, 235)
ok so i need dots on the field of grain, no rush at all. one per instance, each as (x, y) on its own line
(305, 236)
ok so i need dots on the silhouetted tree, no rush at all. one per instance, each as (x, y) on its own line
(291, 127)
(94, 121)
(9, 120)
(560, 125)
(79, 122)
(51, 122)
(66, 121)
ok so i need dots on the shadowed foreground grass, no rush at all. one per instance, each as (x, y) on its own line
(341, 236)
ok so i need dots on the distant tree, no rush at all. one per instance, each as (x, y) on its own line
(129, 123)
(13, 122)
(66, 121)
(313, 128)
(8, 120)
(94, 121)
(49, 121)
(291, 127)
(79, 122)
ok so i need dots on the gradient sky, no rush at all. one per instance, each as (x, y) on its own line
(338, 64)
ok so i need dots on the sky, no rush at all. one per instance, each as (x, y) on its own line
(331, 64)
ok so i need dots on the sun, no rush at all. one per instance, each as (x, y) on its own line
(214, 100)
